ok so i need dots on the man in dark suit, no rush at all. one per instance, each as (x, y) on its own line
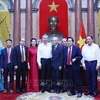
(72, 57)
(7, 65)
(64, 72)
(57, 59)
(20, 64)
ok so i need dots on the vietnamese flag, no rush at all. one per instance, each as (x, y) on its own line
(53, 8)
(82, 36)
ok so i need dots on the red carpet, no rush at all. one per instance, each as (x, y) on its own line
(8, 95)
(13, 96)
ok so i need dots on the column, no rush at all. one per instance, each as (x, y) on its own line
(90, 18)
(28, 28)
(78, 18)
(16, 31)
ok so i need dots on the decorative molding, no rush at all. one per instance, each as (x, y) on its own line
(11, 4)
(71, 4)
(84, 10)
(4, 6)
(96, 4)
(35, 4)
(34, 10)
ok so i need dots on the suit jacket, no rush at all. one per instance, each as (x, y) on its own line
(57, 56)
(17, 55)
(4, 58)
(76, 53)
(0, 58)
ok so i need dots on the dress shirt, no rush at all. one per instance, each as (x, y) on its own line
(23, 51)
(44, 51)
(91, 53)
(9, 50)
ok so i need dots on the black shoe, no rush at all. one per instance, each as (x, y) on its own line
(79, 95)
(54, 91)
(95, 94)
(88, 93)
(43, 90)
(23, 90)
(58, 91)
(71, 94)
(48, 90)
(18, 91)
(64, 90)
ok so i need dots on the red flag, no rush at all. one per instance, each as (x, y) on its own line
(82, 36)
(53, 8)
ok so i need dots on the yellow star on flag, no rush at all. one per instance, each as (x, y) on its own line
(81, 42)
(53, 7)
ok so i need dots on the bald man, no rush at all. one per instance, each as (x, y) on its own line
(57, 59)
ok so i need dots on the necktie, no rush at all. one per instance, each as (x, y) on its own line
(69, 57)
(54, 48)
(8, 55)
(22, 54)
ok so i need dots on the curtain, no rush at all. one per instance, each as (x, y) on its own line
(4, 26)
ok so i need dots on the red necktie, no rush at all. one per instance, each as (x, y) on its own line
(69, 57)
(8, 55)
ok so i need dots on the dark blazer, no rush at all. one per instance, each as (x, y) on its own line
(76, 53)
(17, 55)
(57, 56)
(4, 58)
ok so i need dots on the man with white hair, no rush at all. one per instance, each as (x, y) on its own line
(57, 60)
(44, 62)
(20, 65)
(64, 42)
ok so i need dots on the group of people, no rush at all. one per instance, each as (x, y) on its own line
(51, 67)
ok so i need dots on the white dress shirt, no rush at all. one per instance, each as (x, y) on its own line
(23, 51)
(91, 53)
(44, 51)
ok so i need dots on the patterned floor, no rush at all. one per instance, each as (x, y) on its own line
(51, 96)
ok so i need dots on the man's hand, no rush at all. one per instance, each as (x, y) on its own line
(73, 60)
(16, 67)
(40, 67)
(28, 66)
(60, 67)
(2, 70)
(97, 67)
(84, 67)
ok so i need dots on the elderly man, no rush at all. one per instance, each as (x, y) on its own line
(64, 42)
(64, 72)
(72, 57)
(44, 55)
(91, 63)
(57, 60)
(20, 65)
